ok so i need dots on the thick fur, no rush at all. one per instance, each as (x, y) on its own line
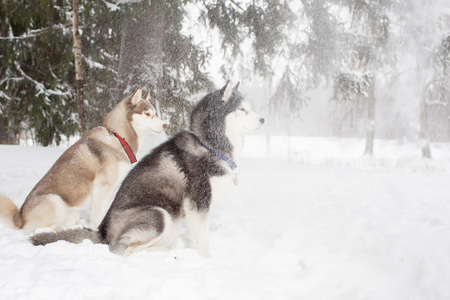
(86, 174)
(179, 179)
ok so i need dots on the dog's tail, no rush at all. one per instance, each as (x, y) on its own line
(9, 213)
(73, 235)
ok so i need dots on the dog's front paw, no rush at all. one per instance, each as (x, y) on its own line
(206, 254)
(204, 251)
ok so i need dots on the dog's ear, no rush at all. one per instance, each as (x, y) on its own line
(136, 97)
(226, 92)
(236, 86)
(150, 99)
(147, 96)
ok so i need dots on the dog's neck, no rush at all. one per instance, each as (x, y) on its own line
(116, 122)
(126, 148)
(225, 157)
(237, 142)
(221, 144)
(132, 140)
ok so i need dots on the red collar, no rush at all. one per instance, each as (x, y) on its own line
(127, 148)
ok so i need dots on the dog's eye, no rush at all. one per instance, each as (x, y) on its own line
(242, 109)
(148, 114)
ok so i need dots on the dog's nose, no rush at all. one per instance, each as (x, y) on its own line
(164, 126)
(262, 120)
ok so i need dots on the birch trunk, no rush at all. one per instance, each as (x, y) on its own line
(79, 80)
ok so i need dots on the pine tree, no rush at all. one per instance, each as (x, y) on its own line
(425, 34)
(437, 97)
(100, 38)
(136, 43)
(354, 47)
(156, 55)
(36, 54)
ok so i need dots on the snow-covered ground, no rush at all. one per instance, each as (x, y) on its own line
(329, 224)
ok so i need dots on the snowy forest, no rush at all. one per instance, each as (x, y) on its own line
(343, 193)
(372, 69)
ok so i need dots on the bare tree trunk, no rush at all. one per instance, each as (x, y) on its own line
(268, 133)
(446, 86)
(370, 128)
(4, 136)
(424, 131)
(79, 80)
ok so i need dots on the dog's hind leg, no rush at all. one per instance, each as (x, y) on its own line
(148, 247)
(45, 211)
(146, 230)
(198, 224)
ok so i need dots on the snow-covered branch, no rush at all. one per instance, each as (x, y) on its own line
(111, 6)
(40, 87)
(94, 64)
(35, 33)
(3, 95)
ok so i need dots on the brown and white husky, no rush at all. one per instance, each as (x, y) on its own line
(87, 174)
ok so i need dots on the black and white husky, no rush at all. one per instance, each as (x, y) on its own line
(179, 179)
